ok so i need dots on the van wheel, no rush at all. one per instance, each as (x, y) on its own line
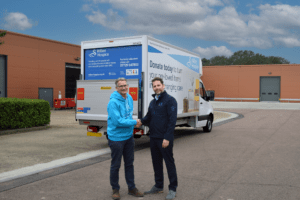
(208, 126)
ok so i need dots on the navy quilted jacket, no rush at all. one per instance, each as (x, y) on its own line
(161, 117)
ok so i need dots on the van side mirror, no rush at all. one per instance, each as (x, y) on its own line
(206, 98)
(211, 94)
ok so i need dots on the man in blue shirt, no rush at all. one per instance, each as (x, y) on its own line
(120, 137)
(161, 119)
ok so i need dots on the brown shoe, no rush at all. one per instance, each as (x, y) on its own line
(116, 194)
(135, 192)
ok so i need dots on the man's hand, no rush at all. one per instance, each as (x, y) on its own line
(138, 123)
(165, 143)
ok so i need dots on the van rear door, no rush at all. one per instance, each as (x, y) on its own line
(94, 95)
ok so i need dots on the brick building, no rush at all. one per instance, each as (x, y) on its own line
(280, 82)
(32, 67)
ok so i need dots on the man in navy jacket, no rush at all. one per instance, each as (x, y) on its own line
(161, 119)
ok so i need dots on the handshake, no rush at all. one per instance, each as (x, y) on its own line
(138, 123)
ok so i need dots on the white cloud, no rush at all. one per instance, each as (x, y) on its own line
(275, 23)
(288, 42)
(16, 20)
(97, 18)
(161, 13)
(225, 26)
(282, 15)
(199, 19)
(111, 20)
(213, 51)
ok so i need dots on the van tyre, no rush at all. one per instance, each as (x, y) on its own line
(208, 126)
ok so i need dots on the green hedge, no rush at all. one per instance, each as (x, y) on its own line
(23, 113)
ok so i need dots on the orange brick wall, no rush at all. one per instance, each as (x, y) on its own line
(36, 62)
(244, 81)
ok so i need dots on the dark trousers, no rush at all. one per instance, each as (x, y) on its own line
(118, 149)
(158, 155)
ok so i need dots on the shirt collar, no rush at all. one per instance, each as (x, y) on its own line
(157, 97)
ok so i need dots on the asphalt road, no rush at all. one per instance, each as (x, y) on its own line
(64, 138)
(253, 157)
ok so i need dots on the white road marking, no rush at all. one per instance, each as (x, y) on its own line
(26, 171)
(232, 115)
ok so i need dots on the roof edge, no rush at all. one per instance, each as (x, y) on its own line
(259, 65)
(39, 38)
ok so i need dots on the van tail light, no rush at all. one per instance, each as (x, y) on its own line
(80, 93)
(133, 91)
(138, 131)
(92, 129)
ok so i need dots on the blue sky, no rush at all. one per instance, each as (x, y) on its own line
(207, 27)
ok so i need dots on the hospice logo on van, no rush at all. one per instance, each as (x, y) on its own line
(130, 72)
(93, 54)
(193, 63)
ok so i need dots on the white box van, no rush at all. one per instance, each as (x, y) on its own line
(139, 59)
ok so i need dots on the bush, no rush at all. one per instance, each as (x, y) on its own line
(23, 113)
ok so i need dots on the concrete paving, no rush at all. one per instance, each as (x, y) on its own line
(63, 143)
(256, 105)
(254, 157)
(64, 138)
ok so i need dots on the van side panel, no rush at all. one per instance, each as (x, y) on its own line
(180, 72)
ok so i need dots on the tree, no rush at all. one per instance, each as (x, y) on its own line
(245, 58)
(240, 57)
(2, 34)
(278, 60)
(205, 62)
(218, 60)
